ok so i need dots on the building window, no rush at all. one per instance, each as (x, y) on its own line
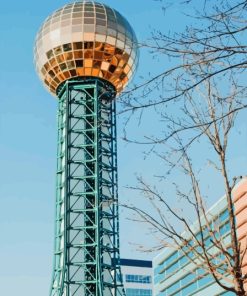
(189, 289)
(134, 278)
(227, 294)
(173, 288)
(158, 278)
(138, 292)
(224, 216)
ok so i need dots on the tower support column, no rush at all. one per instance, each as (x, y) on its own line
(86, 228)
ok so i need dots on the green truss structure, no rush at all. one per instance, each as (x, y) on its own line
(86, 259)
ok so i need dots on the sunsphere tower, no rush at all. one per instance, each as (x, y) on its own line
(85, 53)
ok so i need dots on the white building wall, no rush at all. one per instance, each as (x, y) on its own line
(137, 270)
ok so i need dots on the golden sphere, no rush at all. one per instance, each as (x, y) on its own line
(85, 39)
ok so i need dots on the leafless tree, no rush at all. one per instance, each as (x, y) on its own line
(207, 83)
(208, 113)
(217, 38)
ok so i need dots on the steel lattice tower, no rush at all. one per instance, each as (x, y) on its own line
(85, 53)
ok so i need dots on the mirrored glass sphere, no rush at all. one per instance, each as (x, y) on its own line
(85, 39)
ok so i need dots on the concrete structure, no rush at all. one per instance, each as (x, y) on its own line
(85, 54)
(137, 277)
(175, 275)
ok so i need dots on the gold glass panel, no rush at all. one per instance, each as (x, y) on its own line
(78, 54)
(98, 55)
(68, 56)
(105, 66)
(88, 63)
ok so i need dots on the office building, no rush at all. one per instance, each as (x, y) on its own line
(176, 275)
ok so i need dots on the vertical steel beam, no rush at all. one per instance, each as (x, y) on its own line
(86, 260)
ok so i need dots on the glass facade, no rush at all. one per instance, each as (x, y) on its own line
(195, 279)
(138, 292)
(227, 294)
(85, 39)
(188, 284)
(136, 278)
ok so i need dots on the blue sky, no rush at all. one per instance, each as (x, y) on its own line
(28, 144)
